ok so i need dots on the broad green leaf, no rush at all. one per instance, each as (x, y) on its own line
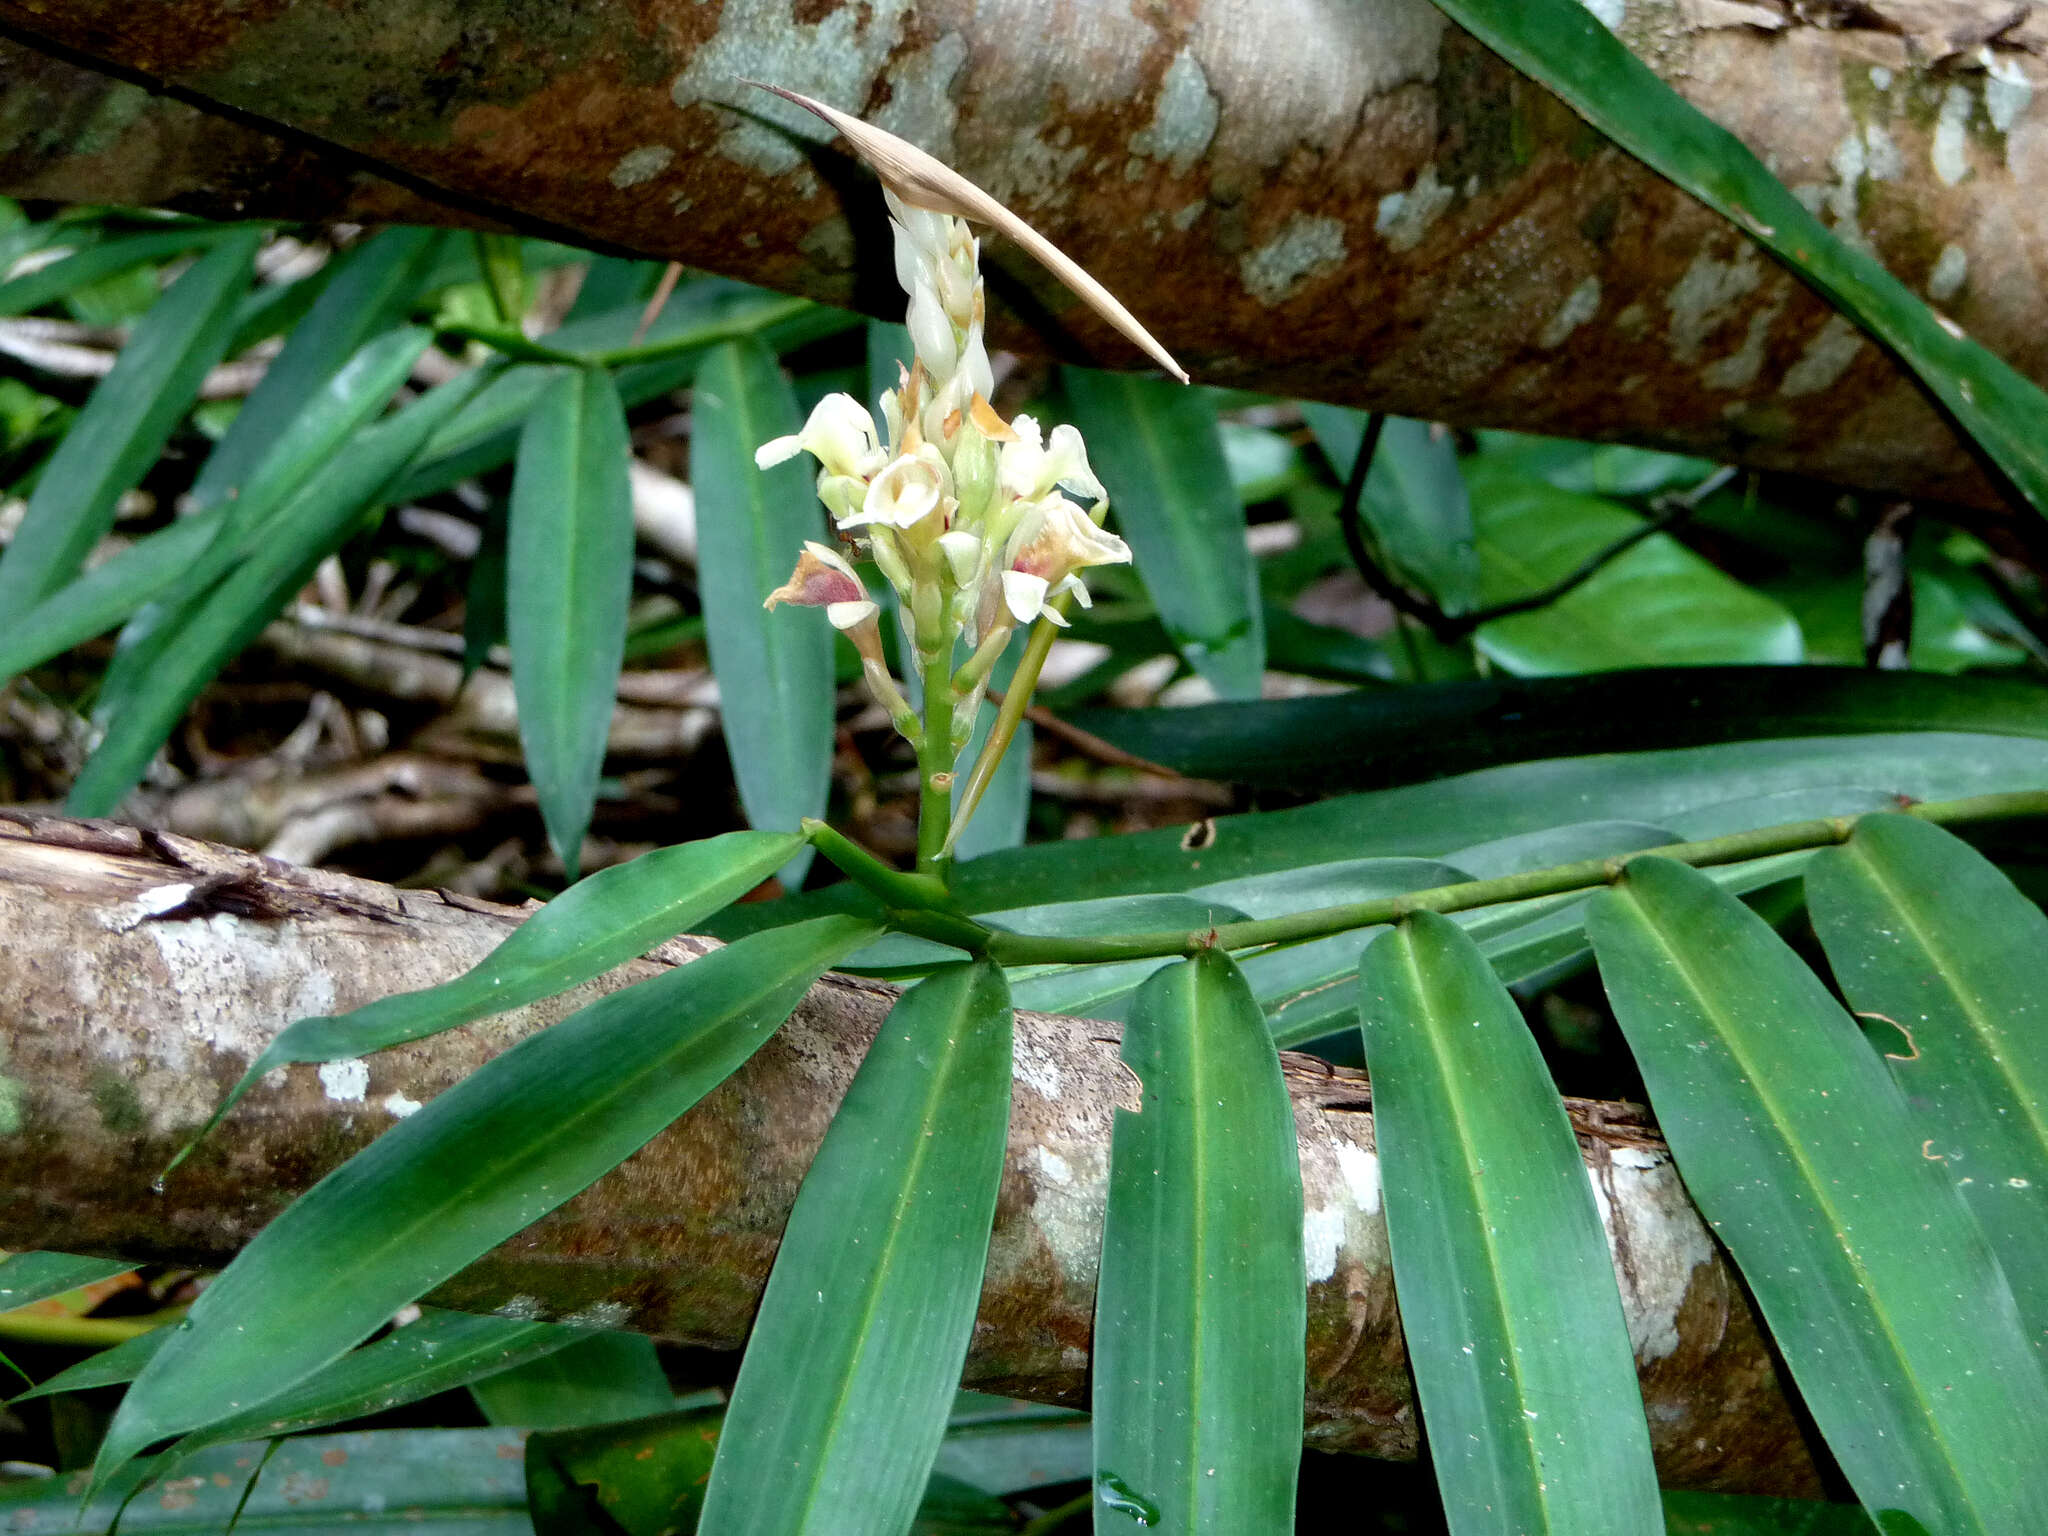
(1734, 1514)
(568, 580)
(1415, 500)
(774, 669)
(124, 425)
(857, 1349)
(1263, 464)
(1010, 1447)
(616, 915)
(1369, 739)
(1154, 446)
(1562, 44)
(1659, 604)
(310, 526)
(600, 1378)
(369, 292)
(392, 1482)
(30, 1277)
(1200, 1309)
(1878, 1286)
(1508, 1301)
(293, 457)
(110, 258)
(1925, 934)
(1944, 637)
(487, 1158)
(439, 1353)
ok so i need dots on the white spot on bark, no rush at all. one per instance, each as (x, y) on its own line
(920, 107)
(523, 1309)
(1322, 1235)
(1036, 1067)
(1706, 296)
(1880, 77)
(1738, 370)
(1361, 1170)
(400, 1106)
(1579, 306)
(1186, 217)
(1069, 1211)
(1404, 217)
(1951, 267)
(1826, 358)
(1053, 1166)
(600, 1314)
(1610, 13)
(835, 59)
(1882, 158)
(640, 165)
(1183, 117)
(345, 1081)
(1951, 126)
(2007, 90)
(1665, 1243)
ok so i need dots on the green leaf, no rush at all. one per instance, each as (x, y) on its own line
(1200, 1310)
(1508, 1301)
(95, 263)
(568, 581)
(487, 1158)
(601, 1378)
(1365, 740)
(370, 291)
(1415, 500)
(1155, 446)
(439, 1353)
(309, 527)
(855, 1355)
(1009, 1447)
(30, 1277)
(1879, 1288)
(1659, 604)
(1564, 46)
(1925, 934)
(774, 669)
(124, 425)
(449, 1482)
(293, 457)
(616, 915)
(1733, 1514)
(1006, 803)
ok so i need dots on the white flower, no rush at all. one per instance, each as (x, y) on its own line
(963, 555)
(1054, 541)
(907, 491)
(1030, 469)
(840, 434)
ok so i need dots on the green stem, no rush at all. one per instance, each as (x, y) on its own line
(935, 776)
(1587, 874)
(918, 904)
(81, 1332)
(1023, 683)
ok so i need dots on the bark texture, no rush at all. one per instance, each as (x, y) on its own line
(140, 973)
(1340, 199)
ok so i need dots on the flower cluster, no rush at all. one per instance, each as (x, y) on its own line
(962, 512)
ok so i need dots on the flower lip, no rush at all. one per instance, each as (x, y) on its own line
(906, 492)
(822, 579)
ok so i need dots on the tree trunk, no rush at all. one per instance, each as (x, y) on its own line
(1339, 199)
(141, 972)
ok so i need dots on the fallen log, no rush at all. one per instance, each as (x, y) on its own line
(141, 972)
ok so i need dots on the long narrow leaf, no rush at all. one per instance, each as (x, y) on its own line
(369, 292)
(310, 527)
(393, 1482)
(1415, 499)
(1924, 933)
(856, 1354)
(602, 1378)
(774, 669)
(1200, 1311)
(1562, 44)
(1878, 1286)
(1508, 1302)
(110, 258)
(487, 1158)
(568, 580)
(300, 451)
(1156, 448)
(124, 425)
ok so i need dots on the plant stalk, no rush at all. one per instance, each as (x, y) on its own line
(1587, 874)
(1016, 699)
